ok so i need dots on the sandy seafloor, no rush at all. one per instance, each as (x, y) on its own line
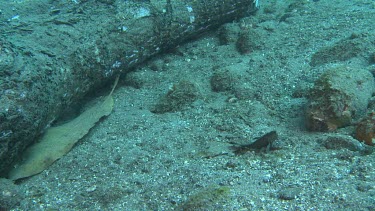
(138, 160)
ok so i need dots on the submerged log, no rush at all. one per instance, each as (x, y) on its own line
(52, 53)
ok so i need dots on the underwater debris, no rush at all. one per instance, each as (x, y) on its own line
(264, 141)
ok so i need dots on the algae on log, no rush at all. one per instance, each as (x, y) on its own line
(53, 56)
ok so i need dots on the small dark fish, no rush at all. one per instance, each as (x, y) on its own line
(263, 142)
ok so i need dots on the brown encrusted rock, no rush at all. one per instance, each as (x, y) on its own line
(365, 130)
(340, 95)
